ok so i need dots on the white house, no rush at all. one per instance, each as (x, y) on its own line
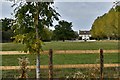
(84, 35)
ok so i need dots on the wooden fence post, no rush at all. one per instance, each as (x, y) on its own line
(101, 64)
(50, 65)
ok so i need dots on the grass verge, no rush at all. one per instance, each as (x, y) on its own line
(11, 60)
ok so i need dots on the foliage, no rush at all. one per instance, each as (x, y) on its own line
(6, 24)
(23, 63)
(6, 31)
(106, 26)
(46, 34)
(76, 76)
(31, 18)
(63, 31)
(25, 23)
(91, 73)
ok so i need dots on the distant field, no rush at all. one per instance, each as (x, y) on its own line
(107, 45)
(11, 60)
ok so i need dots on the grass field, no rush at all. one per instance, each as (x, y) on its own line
(11, 60)
(66, 46)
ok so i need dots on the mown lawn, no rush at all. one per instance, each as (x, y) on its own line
(66, 46)
(11, 60)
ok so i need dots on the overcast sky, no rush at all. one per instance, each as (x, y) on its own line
(81, 14)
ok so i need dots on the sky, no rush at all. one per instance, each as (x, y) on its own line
(81, 14)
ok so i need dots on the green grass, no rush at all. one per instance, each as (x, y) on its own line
(62, 73)
(65, 46)
(81, 45)
(11, 60)
(12, 47)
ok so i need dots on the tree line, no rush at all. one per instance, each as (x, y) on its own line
(106, 26)
(63, 31)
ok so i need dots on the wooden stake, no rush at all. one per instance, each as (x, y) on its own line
(50, 65)
(101, 64)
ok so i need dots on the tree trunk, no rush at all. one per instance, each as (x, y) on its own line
(38, 50)
(37, 60)
(38, 66)
(63, 39)
(37, 57)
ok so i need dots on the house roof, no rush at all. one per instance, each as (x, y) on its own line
(84, 33)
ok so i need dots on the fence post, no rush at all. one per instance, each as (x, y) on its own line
(50, 65)
(101, 64)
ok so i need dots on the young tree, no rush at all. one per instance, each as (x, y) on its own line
(30, 20)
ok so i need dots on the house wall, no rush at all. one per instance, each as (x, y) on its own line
(87, 37)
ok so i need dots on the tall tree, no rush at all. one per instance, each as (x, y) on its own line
(6, 31)
(117, 9)
(30, 20)
(106, 25)
(63, 31)
(6, 24)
